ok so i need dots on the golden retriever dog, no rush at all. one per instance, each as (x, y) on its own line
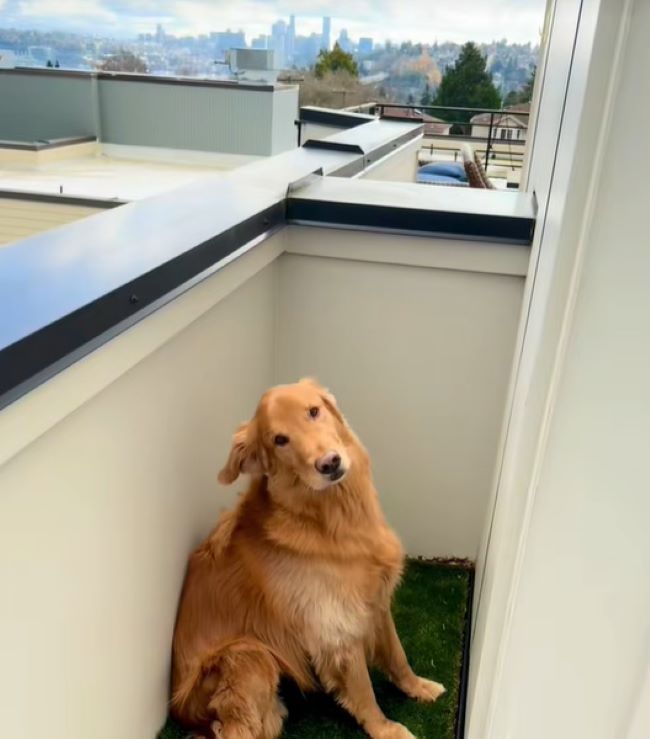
(296, 581)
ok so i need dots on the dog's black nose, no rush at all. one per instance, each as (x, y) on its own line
(328, 463)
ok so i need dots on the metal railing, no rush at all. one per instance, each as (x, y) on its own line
(461, 126)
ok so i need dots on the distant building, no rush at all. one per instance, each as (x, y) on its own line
(307, 49)
(279, 43)
(511, 125)
(160, 33)
(225, 40)
(260, 42)
(344, 41)
(432, 126)
(291, 40)
(366, 46)
(326, 35)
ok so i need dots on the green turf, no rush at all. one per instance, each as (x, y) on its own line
(430, 612)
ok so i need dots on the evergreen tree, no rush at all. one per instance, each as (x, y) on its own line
(335, 60)
(467, 84)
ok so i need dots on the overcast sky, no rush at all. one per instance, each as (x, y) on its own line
(398, 20)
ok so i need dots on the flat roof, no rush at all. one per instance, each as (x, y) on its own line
(108, 172)
(103, 177)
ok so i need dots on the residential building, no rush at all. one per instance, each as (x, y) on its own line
(71, 145)
(511, 125)
(432, 126)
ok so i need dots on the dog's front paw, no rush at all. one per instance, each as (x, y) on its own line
(391, 730)
(422, 689)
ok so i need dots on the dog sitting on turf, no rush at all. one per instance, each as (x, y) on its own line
(296, 581)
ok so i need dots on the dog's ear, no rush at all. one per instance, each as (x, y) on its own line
(244, 455)
(328, 399)
(330, 402)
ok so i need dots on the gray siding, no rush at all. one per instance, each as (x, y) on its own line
(186, 117)
(46, 107)
(231, 119)
(285, 114)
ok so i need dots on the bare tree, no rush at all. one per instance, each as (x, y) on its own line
(337, 89)
(123, 61)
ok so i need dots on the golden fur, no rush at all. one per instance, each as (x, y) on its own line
(296, 581)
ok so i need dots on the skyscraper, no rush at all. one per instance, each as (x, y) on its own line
(279, 43)
(290, 45)
(326, 35)
(344, 41)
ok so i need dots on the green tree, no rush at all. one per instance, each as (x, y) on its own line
(123, 61)
(467, 84)
(335, 60)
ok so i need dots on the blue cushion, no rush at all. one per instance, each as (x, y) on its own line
(439, 179)
(446, 169)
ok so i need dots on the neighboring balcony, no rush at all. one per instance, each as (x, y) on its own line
(498, 137)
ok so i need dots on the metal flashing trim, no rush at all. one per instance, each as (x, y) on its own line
(481, 226)
(335, 118)
(44, 144)
(80, 200)
(35, 358)
(327, 145)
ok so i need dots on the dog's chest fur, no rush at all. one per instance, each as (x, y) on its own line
(330, 605)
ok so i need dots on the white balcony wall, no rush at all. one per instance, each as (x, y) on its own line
(561, 646)
(317, 131)
(108, 471)
(415, 337)
(398, 166)
(107, 480)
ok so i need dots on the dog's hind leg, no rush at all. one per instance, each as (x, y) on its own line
(244, 700)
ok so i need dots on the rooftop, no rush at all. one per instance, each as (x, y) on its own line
(109, 172)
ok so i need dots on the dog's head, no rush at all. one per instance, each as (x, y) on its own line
(297, 433)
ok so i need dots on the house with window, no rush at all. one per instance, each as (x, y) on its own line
(511, 125)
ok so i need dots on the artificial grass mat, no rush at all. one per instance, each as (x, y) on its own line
(430, 612)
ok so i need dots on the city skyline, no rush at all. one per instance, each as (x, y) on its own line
(519, 21)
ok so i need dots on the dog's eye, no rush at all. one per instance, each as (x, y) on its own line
(281, 440)
(314, 411)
